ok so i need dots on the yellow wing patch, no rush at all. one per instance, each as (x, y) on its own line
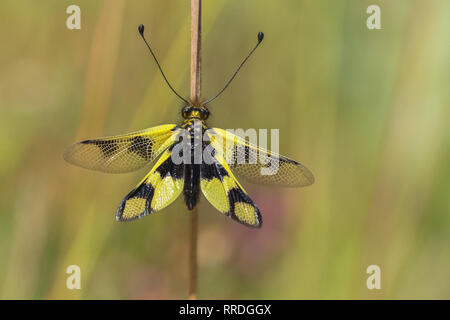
(124, 153)
(134, 207)
(166, 192)
(245, 212)
(160, 187)
(215, 193)
(257, 164)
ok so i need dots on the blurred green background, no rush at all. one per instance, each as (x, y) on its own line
(366, 110)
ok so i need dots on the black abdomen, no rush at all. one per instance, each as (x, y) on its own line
(191, 184)
(191, 188)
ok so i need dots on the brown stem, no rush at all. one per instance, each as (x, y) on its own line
(193, 255)
(196, 48)
(195, 95)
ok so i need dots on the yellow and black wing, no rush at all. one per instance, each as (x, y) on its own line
(223, 191)
(160, 187)
(257, 164)
(124, 153)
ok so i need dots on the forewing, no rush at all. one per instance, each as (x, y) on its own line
(124, 153)
(162, 185)
(258, 165)
(223, 191)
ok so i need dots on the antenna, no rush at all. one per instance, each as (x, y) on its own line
(260, 38)
(141, 32)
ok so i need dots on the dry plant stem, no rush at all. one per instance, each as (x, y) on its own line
(193, 254)
(196, 49)
(195, 95)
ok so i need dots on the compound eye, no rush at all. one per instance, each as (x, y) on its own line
(185, 111)
(205, 113)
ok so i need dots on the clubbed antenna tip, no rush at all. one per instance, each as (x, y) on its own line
(141, 29)
(260, 35)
